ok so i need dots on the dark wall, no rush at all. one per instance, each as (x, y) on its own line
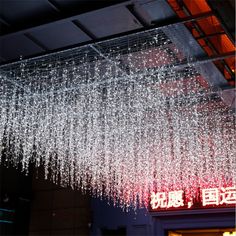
(34, 206)
(15, 195)
(58, 211)
(113, 221)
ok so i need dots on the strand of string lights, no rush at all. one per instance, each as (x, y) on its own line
(119, 121)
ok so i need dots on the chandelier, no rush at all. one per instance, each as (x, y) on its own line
(119, 119)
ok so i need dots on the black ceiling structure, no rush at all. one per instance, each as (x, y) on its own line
(37, 27)
(29, 29)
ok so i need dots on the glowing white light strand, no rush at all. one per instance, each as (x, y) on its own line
(118, 135)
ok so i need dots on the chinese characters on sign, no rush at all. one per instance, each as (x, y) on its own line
(210, 196)
(160, 200)
(215, 196)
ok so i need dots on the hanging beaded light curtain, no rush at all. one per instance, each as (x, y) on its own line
(119, 119)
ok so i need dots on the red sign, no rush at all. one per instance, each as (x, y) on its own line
(208, 197)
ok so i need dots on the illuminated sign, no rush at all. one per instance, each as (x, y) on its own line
(208, 197)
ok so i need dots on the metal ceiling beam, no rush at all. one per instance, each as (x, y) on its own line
(54, 5)
(187, 19)
(206, 59)
(210, 35)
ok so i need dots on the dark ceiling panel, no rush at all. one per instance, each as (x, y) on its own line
(60, 34)
(82, 6)
(25, 14)
(13, 47)
(21, 10)
(158, 10)
(109, 21)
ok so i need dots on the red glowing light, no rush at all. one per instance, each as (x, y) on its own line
(209, 197)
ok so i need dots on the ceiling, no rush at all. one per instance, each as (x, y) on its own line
(41, 26)
(38, 27)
